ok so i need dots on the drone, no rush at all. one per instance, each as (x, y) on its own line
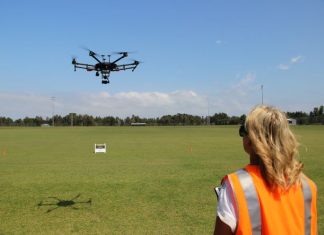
(104, 67)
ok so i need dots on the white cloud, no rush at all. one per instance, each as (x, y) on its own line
(283, 67)
(293, 61)
(220, 42)
(145, 104)
(236, 99)
(296, 59)
(23, 104)
(239, 98)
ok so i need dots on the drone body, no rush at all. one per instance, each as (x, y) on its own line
(103, 67)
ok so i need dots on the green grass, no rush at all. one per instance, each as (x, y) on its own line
(153, 180)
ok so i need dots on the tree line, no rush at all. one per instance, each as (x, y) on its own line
(316, 116)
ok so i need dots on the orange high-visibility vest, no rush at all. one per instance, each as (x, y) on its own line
(261, 210)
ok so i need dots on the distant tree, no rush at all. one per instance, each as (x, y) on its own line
(234, 120)
(165, 120)
(320, 110)
(66, 120)
(128, 121)
(29, 121)
(19, 122)
(6, 121)
(109, 121)
(136, 119)
(38, 120)
(88, 120)
(297, 114)
(220, 119)
(301, 117)
(242, 118)
(316, 116)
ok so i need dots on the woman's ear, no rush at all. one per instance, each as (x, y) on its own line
(247, 144)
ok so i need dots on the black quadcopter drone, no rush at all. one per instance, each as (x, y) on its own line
(103, 67)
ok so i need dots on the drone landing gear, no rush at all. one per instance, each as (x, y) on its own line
(105, 81)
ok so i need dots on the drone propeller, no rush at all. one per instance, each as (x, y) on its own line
(136, 62)
(85, 48)
(124, 53)
(90, 51)
(74, 59)
(120, 52)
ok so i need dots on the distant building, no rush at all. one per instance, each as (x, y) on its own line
(45, 125)
(138, 124)
(292, 121)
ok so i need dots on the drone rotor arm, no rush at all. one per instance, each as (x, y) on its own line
(87, 67)
(93, 55)
(134, 68)
(123, 55)
(131, 66)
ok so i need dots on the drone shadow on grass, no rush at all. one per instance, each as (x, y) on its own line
(56, 203)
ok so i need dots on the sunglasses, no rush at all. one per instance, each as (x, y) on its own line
(243, 131)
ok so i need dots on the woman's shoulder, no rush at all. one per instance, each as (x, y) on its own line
(250, 169)
(309, 180)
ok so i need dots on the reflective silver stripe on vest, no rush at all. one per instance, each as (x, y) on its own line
(252, 200)
(307, 205)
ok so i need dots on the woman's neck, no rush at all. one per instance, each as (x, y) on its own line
(254, 159)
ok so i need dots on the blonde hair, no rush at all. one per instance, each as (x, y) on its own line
(275, 145)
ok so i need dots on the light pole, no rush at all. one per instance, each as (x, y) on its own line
(53, 109)
(71, 117)
(208, 110)
(261, 94)
(208, 117)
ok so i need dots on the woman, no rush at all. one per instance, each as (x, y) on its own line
(271, 195)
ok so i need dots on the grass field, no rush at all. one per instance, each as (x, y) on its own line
(153, 180)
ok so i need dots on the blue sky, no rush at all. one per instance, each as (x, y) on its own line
(199, 57)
